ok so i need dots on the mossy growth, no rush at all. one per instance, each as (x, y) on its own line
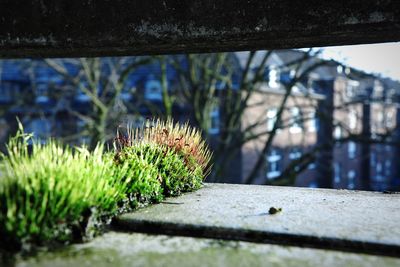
(177, 151)
(52, 194)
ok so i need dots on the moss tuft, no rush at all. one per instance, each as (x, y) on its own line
(179, 138)
(52, 194)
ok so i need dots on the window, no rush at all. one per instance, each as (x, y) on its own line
(351, 175)
(273, 77)
(378, 168)
(379, 172)
(296, 125)
(81, 126)
(271, 118)
(313, 123)
(352, 120)
(351, 150)
(296, 89)
(388, 167)
(41, 89)
(312, 166)
(41, 129)
(41, 93)
(215, 121)
(349, 91)
(127, 93)
(337, 172)
(380, 120)
(136, 121)
(390, 120)
(153, 90)
(378, 90)
(373, 159)
(295, 154)
(337, 133)
(287, 76)
(221, 85)
(313, 185)
(80, 95)
(273, 164)
(5, 92)
(351, 88)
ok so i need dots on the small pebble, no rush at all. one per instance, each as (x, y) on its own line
(274, 210)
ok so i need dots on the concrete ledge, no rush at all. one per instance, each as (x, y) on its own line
(363, 222)
(68, 28)
(122, 249)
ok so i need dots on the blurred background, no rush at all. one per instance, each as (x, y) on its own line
(311, 117)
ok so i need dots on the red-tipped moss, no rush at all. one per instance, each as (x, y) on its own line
(181, 138)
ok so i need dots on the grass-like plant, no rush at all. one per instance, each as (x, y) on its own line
(178, 151)
(48, 195)
(51, 193)
(179, 138)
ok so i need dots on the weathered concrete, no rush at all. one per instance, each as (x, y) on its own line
(120, 249)
(336, 219)
(40, 28)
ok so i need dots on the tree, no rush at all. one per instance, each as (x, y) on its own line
(213, 80)
(102, 81)
(222, 89)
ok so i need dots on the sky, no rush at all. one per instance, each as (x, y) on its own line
(381, 58)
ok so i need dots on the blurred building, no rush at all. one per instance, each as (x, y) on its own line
(346, 118)
(338, 127)
(295, 134)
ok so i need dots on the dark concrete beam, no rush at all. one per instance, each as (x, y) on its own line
(54, 28)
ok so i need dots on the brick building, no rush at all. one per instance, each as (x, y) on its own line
(336, 120)
(352, 116)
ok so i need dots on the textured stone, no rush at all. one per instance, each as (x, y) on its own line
(335, 219)
(98, 28)
(121, 249)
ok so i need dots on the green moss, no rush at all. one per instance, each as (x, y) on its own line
(141, 175)
(170, 173)
(55, 194)
(51, 194)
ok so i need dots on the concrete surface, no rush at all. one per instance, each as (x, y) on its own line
(121, 249)
(66, 28)
(365, 222)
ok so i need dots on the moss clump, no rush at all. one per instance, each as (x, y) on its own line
(181, 139)
(177, 151)
(141, 176)
(49, 195)
(170, 176)
(54, 194)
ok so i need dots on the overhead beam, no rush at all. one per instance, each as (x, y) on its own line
(70, 28)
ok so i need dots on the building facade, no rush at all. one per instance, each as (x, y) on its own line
(348, 122)
(328, 121)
